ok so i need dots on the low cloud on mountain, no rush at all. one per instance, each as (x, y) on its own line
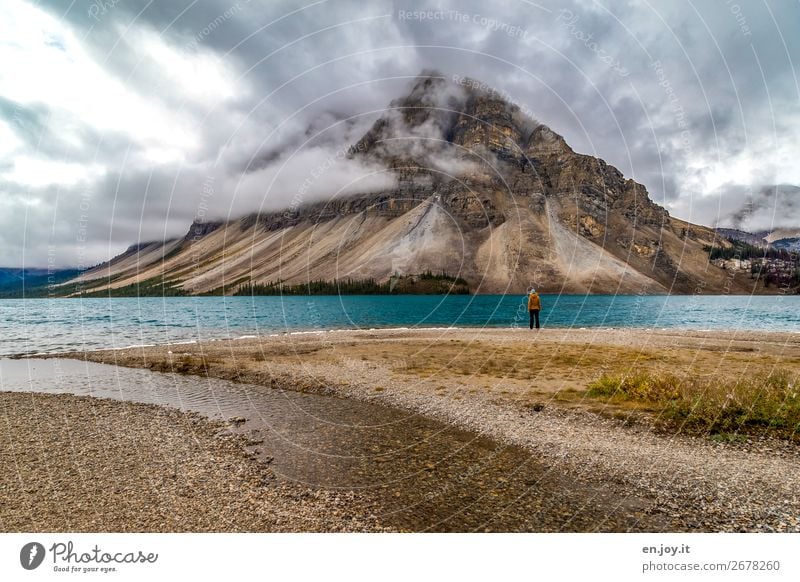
(125, 120)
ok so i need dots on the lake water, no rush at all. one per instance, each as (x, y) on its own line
(57, 325)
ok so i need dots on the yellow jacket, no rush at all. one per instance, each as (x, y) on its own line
(534, 302)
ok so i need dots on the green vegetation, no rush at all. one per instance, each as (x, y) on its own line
(154, 287)
(746, 251)
(426, 283)
(643, 386)
(33, 284)
(227, 289)
(320, 287)
(786, 278)
(764, 402)
(774, 266)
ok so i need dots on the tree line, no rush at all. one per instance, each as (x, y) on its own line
(423, 283)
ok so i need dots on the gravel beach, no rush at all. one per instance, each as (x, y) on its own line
(82, 464)
(525, 388)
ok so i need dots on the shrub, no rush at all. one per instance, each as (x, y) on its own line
(641, 386)
(763, 402)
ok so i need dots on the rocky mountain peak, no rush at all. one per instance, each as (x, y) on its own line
(449, 129)
(465, 120)
(484, 191)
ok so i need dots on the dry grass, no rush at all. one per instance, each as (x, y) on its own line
(518, 369)
(518, 361)
(766, 401)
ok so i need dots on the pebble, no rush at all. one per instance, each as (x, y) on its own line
(698, 485)
(125, 467)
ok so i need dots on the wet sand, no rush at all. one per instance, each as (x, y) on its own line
(527, 389)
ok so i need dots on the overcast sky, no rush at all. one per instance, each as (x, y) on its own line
(125, 120)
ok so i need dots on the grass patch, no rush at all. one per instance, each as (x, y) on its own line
(643, 386)
(765, 402)
(481, 359)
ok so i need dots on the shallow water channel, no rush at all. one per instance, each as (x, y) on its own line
(413, 472)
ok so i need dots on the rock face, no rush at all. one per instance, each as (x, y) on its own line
(484, 193)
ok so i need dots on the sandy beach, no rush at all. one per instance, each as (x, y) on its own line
(529, 389)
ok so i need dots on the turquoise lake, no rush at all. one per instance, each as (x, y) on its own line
(53, 325)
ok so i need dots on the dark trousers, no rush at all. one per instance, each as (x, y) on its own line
(534, 317)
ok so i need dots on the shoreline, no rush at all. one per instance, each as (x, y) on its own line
(700, 484)
(762, 292)
(680, 331)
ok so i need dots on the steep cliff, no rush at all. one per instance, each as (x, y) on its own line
(484, 192)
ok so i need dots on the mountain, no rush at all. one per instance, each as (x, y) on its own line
(32, 282)
(787, 244)
(780, 238)
(787, 239)
(780, 234)
(752, 238)
(482, 191)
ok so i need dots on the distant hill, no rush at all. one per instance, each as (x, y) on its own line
(32, 282)
(752, 238)
(780, 234)
(789, 244)
(781, 238)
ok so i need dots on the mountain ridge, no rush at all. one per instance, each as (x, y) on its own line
(482, 191)
(778, 238)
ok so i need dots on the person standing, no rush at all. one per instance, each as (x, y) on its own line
(534, 306)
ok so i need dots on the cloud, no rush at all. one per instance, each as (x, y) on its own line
(762, 209)
(113, 115)
(302, 177)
